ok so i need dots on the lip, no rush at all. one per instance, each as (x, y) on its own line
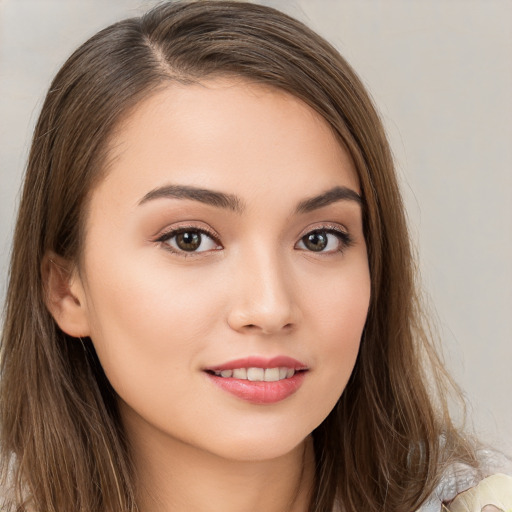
(259, 362)
(259, 392)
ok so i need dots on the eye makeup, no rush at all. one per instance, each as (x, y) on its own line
(190, 239)
(185, 240)
(318, 240)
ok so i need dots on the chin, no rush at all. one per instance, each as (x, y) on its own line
(257, 443)
(259, 450)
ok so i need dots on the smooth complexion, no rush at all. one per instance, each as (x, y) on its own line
(228, 227)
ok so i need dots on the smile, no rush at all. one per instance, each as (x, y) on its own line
(257, 374)
(259, 380)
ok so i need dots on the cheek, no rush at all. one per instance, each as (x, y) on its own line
(338, 302)
(338, 309)
(146, 319)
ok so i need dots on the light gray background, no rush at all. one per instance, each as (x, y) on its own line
(440, 72)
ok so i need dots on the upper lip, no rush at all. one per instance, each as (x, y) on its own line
(260, 362)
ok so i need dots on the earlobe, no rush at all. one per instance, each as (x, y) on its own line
(64, 295)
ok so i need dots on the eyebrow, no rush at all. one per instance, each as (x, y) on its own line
(211, 197)
(331, 196)
(234, 203)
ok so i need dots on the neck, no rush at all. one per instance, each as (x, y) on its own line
(176, 477)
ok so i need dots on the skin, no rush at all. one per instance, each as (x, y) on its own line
(158, 317)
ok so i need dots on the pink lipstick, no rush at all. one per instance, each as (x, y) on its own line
(259, 380)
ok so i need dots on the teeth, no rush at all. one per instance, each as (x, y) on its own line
(240, 373)
(258, 374)
(271, 374)
(255, 374)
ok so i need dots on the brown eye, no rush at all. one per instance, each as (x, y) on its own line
(189, 240)
(325, 241)
(316, 241)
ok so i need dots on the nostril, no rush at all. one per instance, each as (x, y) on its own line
(255, 317)
(254, 327)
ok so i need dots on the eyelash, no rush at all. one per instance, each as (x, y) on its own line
(344, 238)
(174, 232)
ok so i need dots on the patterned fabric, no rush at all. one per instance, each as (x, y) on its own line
(466, 489)
(493, 494)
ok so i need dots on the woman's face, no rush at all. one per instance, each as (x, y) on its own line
(226, 237)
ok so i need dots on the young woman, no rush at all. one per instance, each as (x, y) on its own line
(212, 300)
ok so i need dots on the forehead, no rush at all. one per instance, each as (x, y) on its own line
(227, 133)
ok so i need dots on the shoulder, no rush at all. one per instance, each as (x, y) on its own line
(465, 489)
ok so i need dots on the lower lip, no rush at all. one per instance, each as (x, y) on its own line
(258, 392)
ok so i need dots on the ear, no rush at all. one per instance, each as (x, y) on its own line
(64, 295)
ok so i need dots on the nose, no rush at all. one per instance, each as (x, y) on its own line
(263, 296)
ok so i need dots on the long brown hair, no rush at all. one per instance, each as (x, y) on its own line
(62, 443)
